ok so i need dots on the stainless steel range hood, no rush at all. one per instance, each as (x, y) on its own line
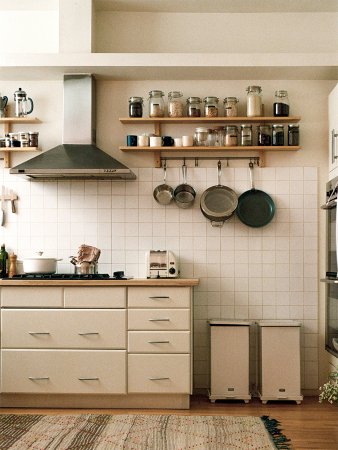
(78, 157)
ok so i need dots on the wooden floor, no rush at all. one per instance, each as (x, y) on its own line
(310, 425)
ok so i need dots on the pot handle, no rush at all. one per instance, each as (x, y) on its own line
(184, 172)
(217, 223)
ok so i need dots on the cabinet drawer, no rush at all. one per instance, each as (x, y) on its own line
(32, 297)
(57, 328)
(95, 297)
(159, 297)
(159, 319)
(60, 372)
(159, 374)
(159, 342)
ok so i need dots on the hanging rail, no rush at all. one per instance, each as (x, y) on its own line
(254, 159)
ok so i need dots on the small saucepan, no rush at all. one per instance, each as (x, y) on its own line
(218, 203)
(163, 193)
(184, 194)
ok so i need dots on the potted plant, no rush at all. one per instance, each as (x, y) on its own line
(329, 391)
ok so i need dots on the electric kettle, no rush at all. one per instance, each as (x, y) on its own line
(21, 100)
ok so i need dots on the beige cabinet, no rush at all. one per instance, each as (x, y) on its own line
(333, 132)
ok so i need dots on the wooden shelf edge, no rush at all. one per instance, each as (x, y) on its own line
(20, 149)
(210, 149)
(243, 119)
(19, 120)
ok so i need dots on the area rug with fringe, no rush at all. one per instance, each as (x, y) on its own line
(139, 432)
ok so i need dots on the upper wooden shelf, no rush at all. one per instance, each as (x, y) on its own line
(245, 119)
(13, 120)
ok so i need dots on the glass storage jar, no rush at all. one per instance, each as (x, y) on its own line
(293, 134)
(264, 135)
(201, 136)
(135, 107)
(219, 136)
(246, 134)
(194, 107)
(254, 101)
(230, 106)
(211, 106)
(231, 136)
(156, 104)
(278, 134)
(211, 141)
(281, 104)
(175, 104)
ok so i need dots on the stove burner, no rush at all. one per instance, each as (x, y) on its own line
(62, 276)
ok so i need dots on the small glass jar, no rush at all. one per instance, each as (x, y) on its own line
(211, 141)
(175, 104)
(194, 107)
(135, 107)
(293, 134)
(254, 101)
(277, 134)
(201, 136)
(211, 106)
(230, 106)
(231, 136)
(33, 138)
(246, 135)
(264, 135)
(281, 104)
(219, 136)
(7, 140)
(24, 142)
(156, 104)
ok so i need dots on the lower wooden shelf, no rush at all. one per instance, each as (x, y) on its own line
(8, 150)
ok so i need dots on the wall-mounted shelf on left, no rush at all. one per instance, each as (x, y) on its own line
(7, 123)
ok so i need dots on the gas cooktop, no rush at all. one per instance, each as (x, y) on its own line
(63, 276)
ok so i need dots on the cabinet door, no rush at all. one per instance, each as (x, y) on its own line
(159, 319)
(32, 297)
(159, 341)
(333, 129)
(159, 297)
(95, 297)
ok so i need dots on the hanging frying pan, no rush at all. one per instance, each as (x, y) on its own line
(163, 193)
(255, 208)
(218, 203)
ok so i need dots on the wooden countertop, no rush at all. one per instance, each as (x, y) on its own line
(182, 282)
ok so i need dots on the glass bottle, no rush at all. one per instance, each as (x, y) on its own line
(3, 262)
(175, 104)
(246, 134)
(211, 106)
(264, 135)
(231, 136)
(194, 107)
(254, 101)
(135, 107)
(156, 104)
(281, 104)
(277, 134)
(293, 134)
(230, 106)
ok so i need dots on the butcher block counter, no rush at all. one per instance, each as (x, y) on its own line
(96, 343)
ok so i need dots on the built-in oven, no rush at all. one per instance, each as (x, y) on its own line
(331, 278)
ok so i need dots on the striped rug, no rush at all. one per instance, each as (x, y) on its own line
(138, 432)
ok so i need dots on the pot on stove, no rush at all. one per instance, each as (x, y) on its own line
(85, 268)
(40, 264)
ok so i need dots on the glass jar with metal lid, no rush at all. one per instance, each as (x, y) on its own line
(281, 105)
(175, 104)
(246, 134)
(156, 104)
(201, 136)
(230, 106)
(231, 136)
(254, 101)
(293, 134)
(264, 135)
(278, 134)
(135, 107)
(194, 107)
(211, 106)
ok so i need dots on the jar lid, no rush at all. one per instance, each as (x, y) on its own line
(175, 94)
(264, 126)
(293, 125)
(277, 125)
(246, 125)
(231, 127)
(281, 93)
(136, 99)
(254, 89)
(201, 130)
(193, 100)
(231, 100)
(211, 99)
(156, 93)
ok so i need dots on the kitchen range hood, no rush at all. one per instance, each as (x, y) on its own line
(77, 158)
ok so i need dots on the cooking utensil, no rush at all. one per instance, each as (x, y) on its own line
(163, 193)
(40, 264)
(13, 197)
(21, 100)
(218, 203)
(184, 194)
(255, 207)
(2, 213)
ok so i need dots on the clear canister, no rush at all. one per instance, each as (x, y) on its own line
(264, 135)
(211, 141)
(33, 138)
(293, 134)
(175, 104)
(211, 106)
(201, 136)
(135, 107)
(281, 105)
(194, 107)
(254, 101)
(156, 104)
(246, 134)
(278, 134)
(231, 136)
(230, 106)
(219, 136)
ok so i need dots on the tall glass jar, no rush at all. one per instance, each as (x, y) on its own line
(278, 134)
(254, 101)
(246, 134)
(293, 134)
(135, 107)
(264, 135)
(219, 136)
(156, 104)
(211, 106)
(175, 104)
(231, 136)
(194, 107)
(281, 105)
(230, 106)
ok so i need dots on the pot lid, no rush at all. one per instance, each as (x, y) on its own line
(40, 257)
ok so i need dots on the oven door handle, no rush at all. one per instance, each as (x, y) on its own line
(329, 280)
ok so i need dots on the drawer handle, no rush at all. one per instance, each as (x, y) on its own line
(89, 333)
(158, 342)
(38, 378)
(159, 297)
(34, 333)
(88, 379)
(159, 320)
(158, 378)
